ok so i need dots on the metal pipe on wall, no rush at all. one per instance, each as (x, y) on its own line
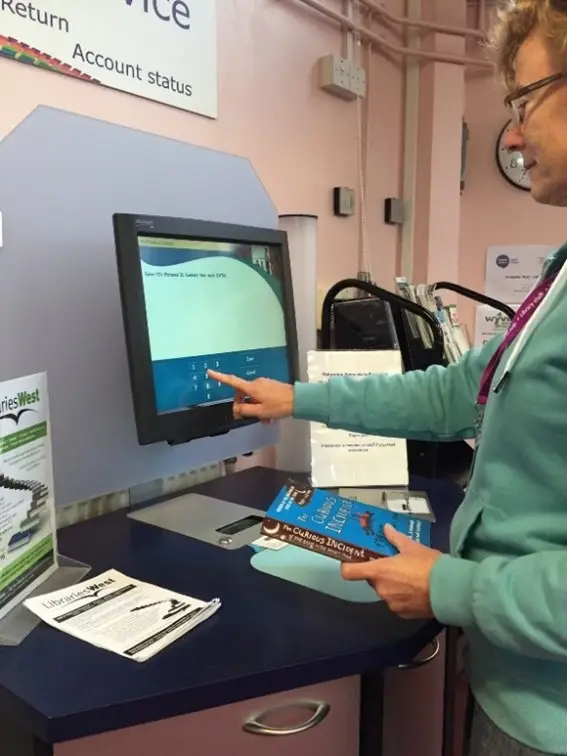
(411, 143)
(482, 16)
(429, 26)
(381, 43)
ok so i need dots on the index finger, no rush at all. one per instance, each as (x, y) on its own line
(239, 384)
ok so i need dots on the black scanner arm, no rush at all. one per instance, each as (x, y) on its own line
(476, 296)
(385, 295)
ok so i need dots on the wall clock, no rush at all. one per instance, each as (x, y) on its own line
(511, 164)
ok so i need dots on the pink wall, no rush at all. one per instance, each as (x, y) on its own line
(492, 211)
(301, 141)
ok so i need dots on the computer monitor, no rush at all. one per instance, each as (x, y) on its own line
(198, 295)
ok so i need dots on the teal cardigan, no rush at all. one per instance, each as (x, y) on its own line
(505, 579)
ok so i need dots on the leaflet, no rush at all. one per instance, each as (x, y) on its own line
(126, 616)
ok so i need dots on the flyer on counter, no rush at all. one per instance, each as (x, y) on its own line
(119, 614)
(28, 529)
(342, 457)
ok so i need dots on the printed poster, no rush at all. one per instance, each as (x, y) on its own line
(513, 271)
(343, 458)
(28, 533)
(489, 323)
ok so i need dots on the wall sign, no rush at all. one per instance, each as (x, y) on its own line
(513, 271)
(163, 50)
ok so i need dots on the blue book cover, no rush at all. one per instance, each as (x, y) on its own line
(344, 529)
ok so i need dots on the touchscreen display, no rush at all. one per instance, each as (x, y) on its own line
(211, 305)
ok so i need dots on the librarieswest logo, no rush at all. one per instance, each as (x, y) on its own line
(13, 408)
(92, 591)
(15, 416)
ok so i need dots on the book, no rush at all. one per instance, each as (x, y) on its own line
(345, 529)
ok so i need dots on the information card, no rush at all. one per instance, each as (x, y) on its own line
(512, 272)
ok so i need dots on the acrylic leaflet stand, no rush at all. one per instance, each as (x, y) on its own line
(19, 622)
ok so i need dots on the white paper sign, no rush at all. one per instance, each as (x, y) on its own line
(343, 458)
(164, 50)
(28, 543)
(512, 272)
(489, 323)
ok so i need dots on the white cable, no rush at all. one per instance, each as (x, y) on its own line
(362, 150)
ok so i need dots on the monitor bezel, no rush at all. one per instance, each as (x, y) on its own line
(193, 422)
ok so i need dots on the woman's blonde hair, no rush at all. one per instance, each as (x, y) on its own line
(516, 20)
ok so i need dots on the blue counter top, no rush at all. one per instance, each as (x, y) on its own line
(269, 635)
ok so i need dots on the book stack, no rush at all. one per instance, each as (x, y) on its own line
(455, 337)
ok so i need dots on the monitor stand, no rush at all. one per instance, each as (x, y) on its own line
(19, 622)
(213, 521)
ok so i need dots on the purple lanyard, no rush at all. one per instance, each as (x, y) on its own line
(519, 321)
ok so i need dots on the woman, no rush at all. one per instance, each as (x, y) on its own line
(505, 581)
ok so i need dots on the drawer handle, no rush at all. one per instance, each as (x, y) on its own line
(318, 711)
(416, 663)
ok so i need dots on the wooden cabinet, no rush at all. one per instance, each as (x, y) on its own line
(413, 708)
(321, 720)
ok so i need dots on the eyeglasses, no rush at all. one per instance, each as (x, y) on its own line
(516, 101)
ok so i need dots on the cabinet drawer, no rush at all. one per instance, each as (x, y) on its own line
(321, 720)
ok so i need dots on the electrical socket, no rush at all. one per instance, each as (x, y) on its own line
(335, 76)
(341, 77)
(358, 81)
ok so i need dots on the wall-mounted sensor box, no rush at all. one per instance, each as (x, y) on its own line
(393, 211)
(343, 201)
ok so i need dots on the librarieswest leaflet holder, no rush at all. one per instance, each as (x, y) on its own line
(29, 559)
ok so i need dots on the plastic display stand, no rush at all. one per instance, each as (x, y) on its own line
(19, 622)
